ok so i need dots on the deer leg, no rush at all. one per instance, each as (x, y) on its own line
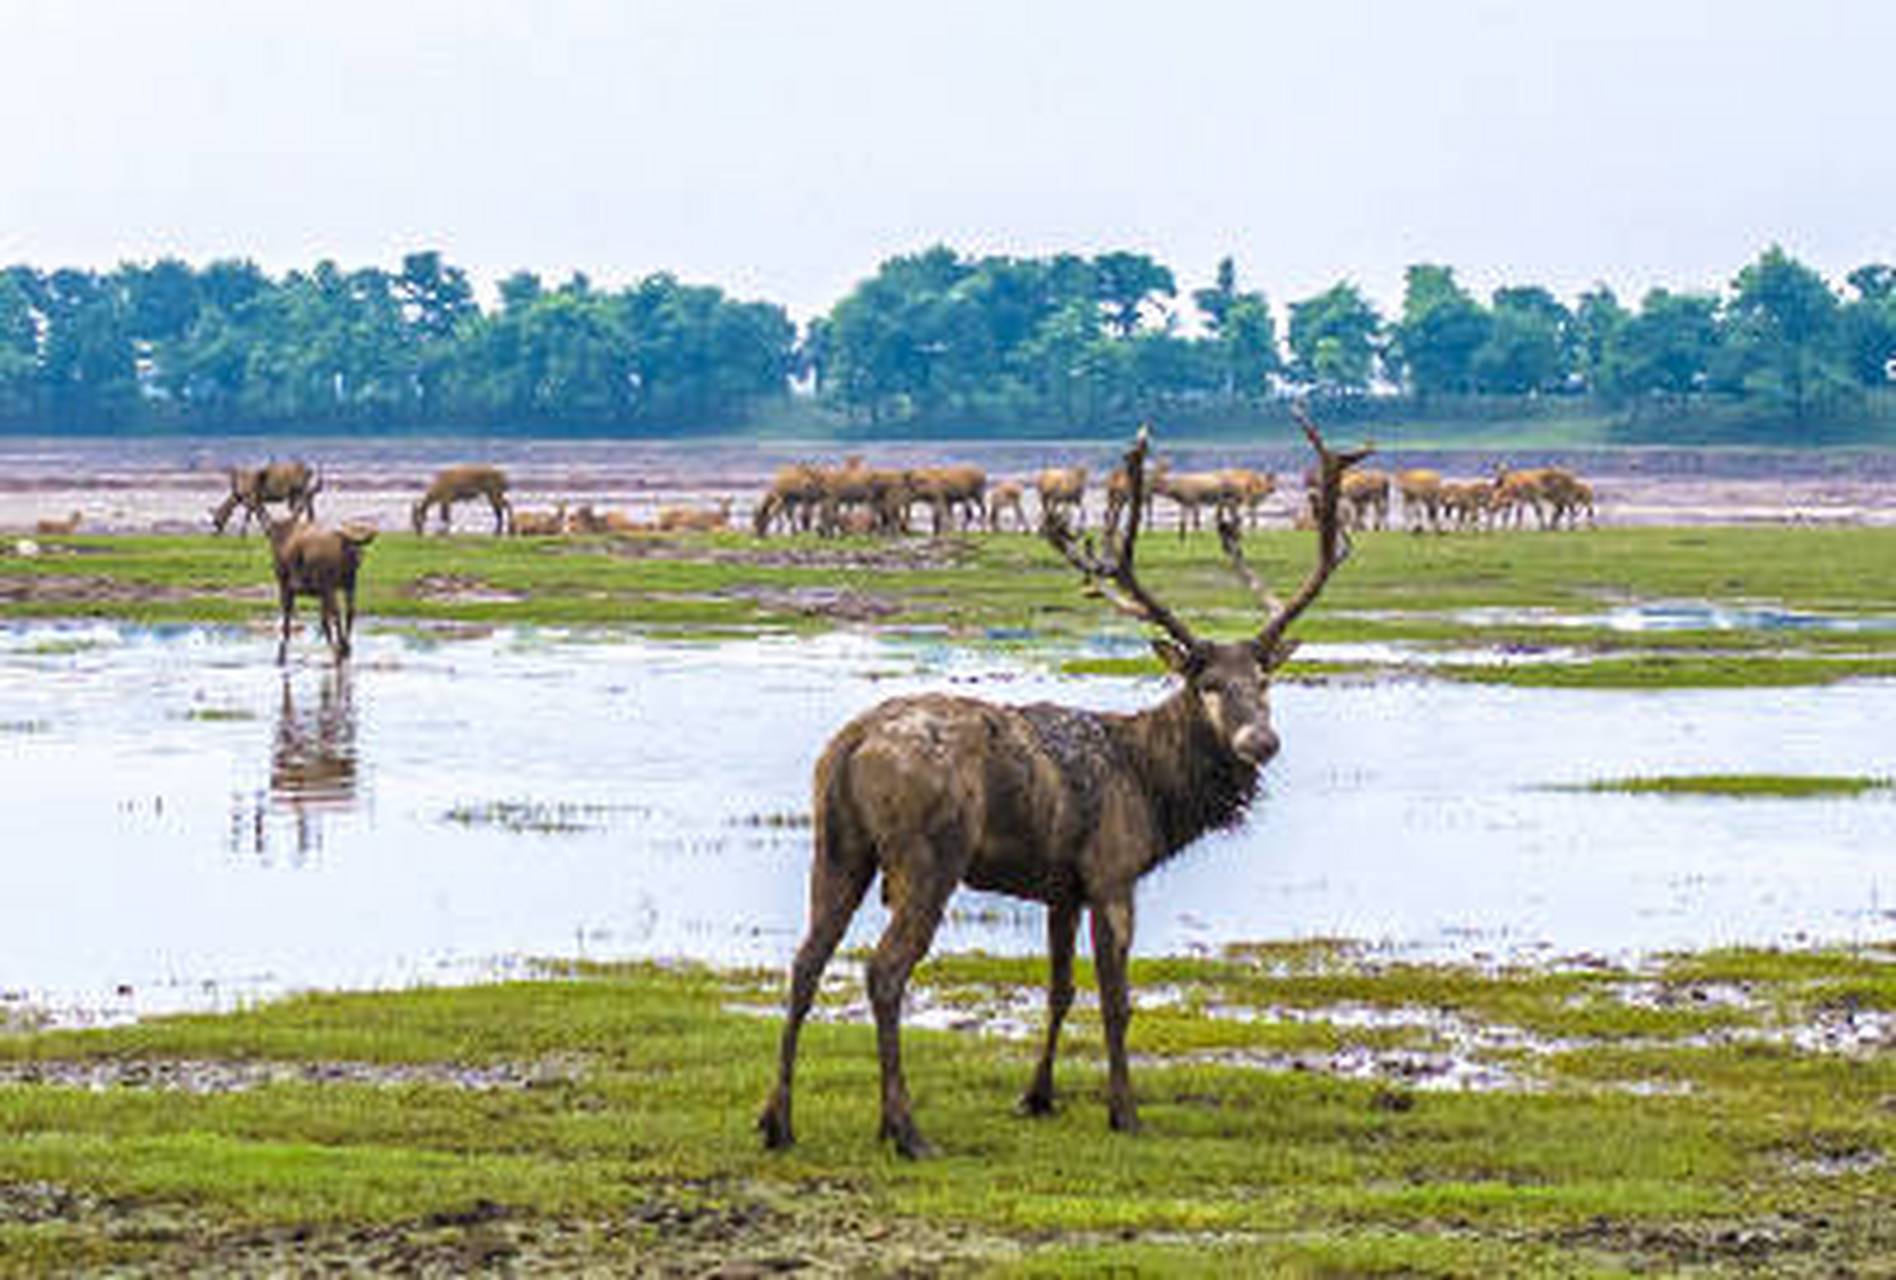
(332, 623)
(348, 615)
(1063, 924)
(1112, 944)
(286, 601)
(836, 889)
(915, 915)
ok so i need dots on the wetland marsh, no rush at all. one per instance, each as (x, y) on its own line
(1558, 941)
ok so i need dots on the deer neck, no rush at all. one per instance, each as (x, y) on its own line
(1194, 782)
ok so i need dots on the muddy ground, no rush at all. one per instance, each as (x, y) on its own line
(169, 486)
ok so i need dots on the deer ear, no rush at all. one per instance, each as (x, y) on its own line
(1176, 657)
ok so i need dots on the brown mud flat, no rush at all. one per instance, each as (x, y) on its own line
(170, 486)
(712, 1228)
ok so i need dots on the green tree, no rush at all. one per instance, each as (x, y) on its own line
(1783, 333)
(1868, 324)
(1666, 352)
(1127, 282)
(1529, 344)
(1217, 300)
(88, 364)
(1597, 321)
(1442, 327)
(1333, 340)
(19, 347)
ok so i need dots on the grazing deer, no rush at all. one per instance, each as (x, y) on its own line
(1421, 489)
(47, 526)
(1004, 497)
(1466, 502)
(955, 494)
(1048, 803)
(1516, 491)
(1061, 489)
(1119, 492)
(1195, 490)
(1567, 496)
(540, 524)
(794, 500)
(314, 561)
(294, 483)
(1365, 499)
(695, 519)
(1254, 489)
(458, 484)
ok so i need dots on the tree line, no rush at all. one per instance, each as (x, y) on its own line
(932, 341)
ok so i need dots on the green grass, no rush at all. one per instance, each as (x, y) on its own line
(1740, 785)
(628, 1141)
(1011, 590)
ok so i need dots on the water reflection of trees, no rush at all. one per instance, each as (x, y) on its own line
(313, 769)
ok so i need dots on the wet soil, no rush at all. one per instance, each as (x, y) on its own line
(170, 485)
(701, 1229)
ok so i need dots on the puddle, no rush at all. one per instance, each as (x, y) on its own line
(1656, 616)
(188, 827)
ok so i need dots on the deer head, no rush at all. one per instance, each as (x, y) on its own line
(1228, 680)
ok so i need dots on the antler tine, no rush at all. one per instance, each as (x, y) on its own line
(1333, 542)
(1113, 578)
(1231, 538)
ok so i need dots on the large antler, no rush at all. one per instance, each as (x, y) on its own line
(1111, 576)
(1333, 544)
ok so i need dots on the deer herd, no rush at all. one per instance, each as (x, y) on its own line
(1057, 805)
(855, 498)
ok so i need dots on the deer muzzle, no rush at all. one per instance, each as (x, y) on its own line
(1255, 743)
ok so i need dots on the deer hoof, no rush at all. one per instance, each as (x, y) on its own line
(776, 1130)
(909, 1143)
(1033, 1104)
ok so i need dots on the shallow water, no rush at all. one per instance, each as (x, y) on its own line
(186, 826)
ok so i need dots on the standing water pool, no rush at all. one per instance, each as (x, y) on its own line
(185, 825)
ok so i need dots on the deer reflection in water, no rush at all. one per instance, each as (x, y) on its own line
(312, 768)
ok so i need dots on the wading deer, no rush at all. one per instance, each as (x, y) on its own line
(1053, 804)
(314, 561)
(294, 483)
(458, 484)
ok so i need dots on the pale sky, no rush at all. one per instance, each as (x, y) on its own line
(781, 150)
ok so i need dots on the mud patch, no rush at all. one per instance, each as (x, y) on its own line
(695, 1229)
(63, 588)
(457, 588)
(907, 554)
(840, 603)
(205, 1076)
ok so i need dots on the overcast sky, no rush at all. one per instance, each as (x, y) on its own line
(782, 149)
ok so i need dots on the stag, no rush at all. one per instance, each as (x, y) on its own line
(293, 483)
(314, 561)
(458, 484)
(1052, 804)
